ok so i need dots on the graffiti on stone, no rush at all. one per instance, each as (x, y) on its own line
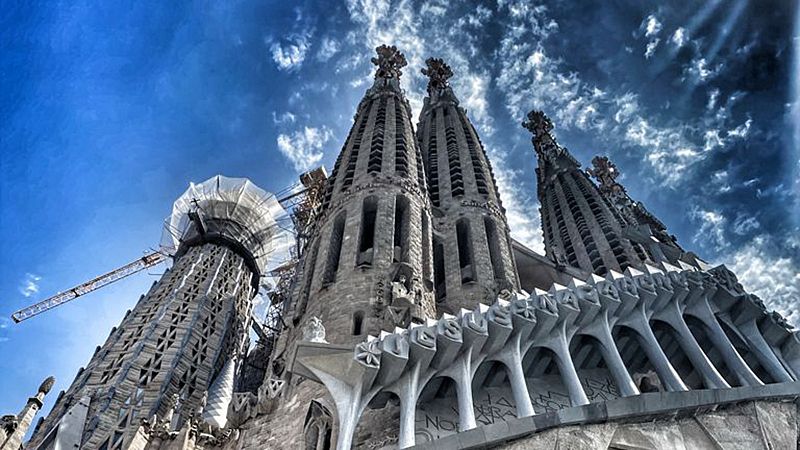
(439, 417)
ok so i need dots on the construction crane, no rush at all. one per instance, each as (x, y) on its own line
(148, 260)
(304, 204)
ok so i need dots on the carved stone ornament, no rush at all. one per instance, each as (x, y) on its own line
(538, 124)
(606, 173)
(401, 294)
(9, 423)
(438, 73)
(314, 331)
(389, 61)
(368, 353)
(47, 385)
(274, 387)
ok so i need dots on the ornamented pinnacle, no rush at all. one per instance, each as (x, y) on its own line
(606, 173)
(538, 123)
(389, 61)
(543, 141)
(47, 385)
(438, 72)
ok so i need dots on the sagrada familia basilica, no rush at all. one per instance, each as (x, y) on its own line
(414, 320)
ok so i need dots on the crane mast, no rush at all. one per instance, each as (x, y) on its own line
(304, 205)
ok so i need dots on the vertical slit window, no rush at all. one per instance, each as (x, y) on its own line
(358, 322)
(495, 253)
(439, 279)
(426, 252)
(453, 159)
(366, 242)
(334, 250)
(400, 150)
(401, 229)
(465, 251)
(433, 162)
(376, 148)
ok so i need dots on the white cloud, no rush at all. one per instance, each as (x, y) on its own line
(29, 285)
(304, 147)
(651, 27)
(744, 224)
(699, 71)
(329, 47)
(651, 48)
(679, 37)
(283, 119)
(712, 228)
(775, 279)
(290, 54)
(530, 77)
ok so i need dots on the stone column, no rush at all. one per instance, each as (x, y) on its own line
(613, 360)
(13, 440)
(668, 375)
(743, 373)
(711, 377)
(763, 351)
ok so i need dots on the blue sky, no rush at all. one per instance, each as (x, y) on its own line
(109, 109)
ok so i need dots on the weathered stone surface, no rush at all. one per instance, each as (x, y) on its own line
(778, 424)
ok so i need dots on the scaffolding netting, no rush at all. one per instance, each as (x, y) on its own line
(237, 209)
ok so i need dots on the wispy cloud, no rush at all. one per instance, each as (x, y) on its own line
(328, 48)
(651, 27)
(776, 279)
(291, 51)
(711, 227)
(304, 147)
(29, 285)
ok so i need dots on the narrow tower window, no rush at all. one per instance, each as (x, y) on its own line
(334, 250)
(426, 252)
(376, 149)
(366, 245)
(465, 251)
(495, 254)
(433, 162)
(439, 280)
(358, 321)
(401, 229)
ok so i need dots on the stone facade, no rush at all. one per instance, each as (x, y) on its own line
(406, 324)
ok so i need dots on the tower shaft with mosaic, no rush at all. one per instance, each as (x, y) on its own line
(472, 254)
(160, 362)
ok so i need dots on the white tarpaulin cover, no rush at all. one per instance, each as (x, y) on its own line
(251, 216)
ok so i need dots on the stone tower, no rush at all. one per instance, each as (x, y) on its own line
(471, 249)
(168, 350)
(581, 228)
(13, 428)
(367, 266)
(369, 263)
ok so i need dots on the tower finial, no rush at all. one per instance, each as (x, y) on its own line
(438, 73)
(538, 123)
(390, 61)
(46, 385)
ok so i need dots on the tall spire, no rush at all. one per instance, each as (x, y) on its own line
(472, 254)
(633, 213)
(547, 148)
(580, 227)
